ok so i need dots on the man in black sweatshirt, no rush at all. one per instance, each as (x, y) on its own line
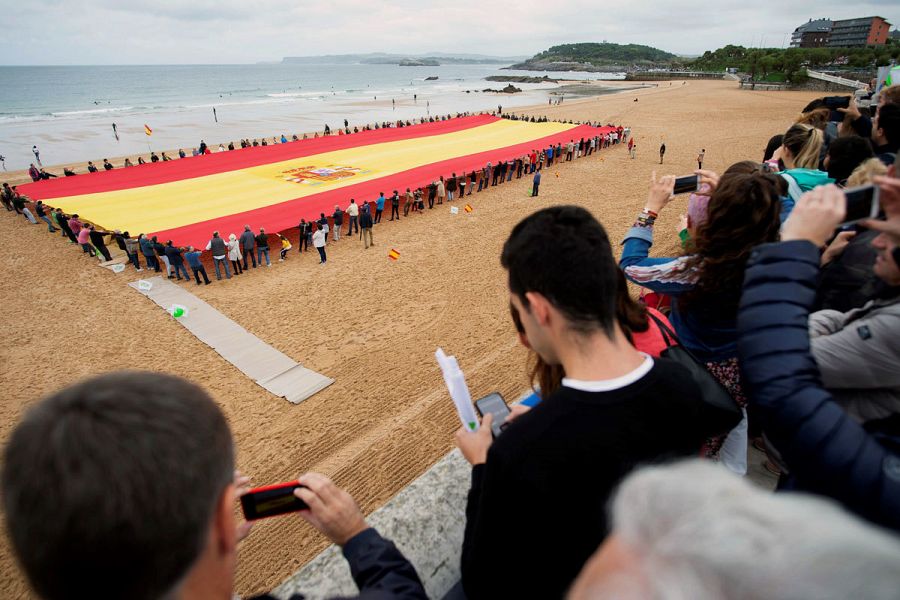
(539, 491)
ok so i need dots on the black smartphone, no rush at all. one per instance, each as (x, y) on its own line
(862, 203)
(271, 501)
(688, 183)
(835, 102)
(494, 404)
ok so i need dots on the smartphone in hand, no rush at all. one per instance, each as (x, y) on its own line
(862, 203)
(686, 184)
(494, 404)
(272, 500)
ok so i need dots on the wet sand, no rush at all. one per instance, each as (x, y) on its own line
(371, 323)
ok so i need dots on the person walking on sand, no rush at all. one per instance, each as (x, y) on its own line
(37, 155)
(536, 184)
(234, 253)
(248, 240)
(353, 213)
(633, 149)
(662, 152)
(700, 158)
(319, 242)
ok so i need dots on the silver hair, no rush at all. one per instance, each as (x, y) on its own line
(702, 533)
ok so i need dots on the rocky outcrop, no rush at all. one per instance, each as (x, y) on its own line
(521, 79)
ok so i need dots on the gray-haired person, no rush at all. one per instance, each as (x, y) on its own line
(694, 530)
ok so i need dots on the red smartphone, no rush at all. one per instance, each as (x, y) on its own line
(272, 500)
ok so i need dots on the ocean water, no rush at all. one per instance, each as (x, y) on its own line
(68, 112)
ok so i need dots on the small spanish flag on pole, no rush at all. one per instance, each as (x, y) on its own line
(147, 130)
(393, 254)
(468, 208)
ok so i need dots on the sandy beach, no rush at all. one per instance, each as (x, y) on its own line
(369, 322)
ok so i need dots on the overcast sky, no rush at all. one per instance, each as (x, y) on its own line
(246, 31)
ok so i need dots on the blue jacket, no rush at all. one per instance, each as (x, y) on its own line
(710, 335)
(147, 247)
(193, 259)
(827, 451)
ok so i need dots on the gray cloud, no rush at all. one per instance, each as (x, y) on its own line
(241, 31)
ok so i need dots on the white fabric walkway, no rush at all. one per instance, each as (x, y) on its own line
(273, 370)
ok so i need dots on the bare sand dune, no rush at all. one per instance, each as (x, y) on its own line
(371, 323)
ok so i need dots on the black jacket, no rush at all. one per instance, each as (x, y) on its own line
(379, 570)
(542, 494)
(365, 219)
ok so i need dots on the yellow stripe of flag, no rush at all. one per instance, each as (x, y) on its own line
(147, 129)
(393, 254)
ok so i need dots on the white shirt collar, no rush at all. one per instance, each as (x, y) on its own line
(608, 385)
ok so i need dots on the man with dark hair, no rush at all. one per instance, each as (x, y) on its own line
(886, 133)
(142, 490)
(617, 408)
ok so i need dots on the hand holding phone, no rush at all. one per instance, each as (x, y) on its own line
(332, 510)
(271, 501)
(834, 103)
(495, 405)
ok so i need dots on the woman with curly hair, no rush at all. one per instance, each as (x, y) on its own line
(705, 285)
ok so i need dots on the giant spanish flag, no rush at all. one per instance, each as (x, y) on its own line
(275, 186)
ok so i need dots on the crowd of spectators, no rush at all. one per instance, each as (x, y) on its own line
(618, 482)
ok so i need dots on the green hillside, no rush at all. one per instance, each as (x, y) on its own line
(604, 53)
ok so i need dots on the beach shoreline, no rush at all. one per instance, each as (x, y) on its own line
(579, 90)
